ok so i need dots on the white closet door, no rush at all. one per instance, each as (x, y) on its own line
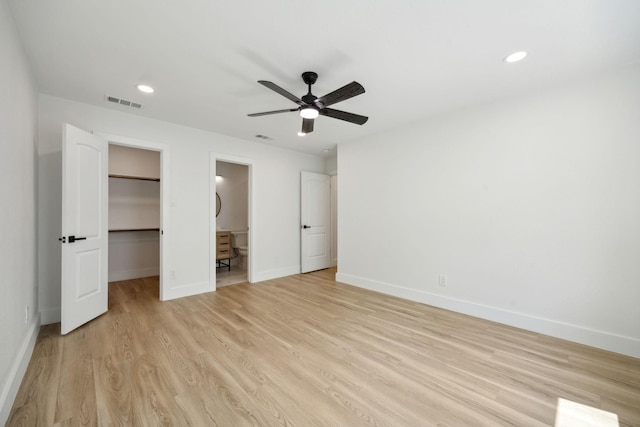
(315, 214)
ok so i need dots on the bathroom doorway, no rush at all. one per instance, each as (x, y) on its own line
(230, 243)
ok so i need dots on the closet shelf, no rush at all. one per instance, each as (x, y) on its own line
(119, 230)
(140, 178)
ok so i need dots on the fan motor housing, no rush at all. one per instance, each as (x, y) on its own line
(309, 77)
(309, 98)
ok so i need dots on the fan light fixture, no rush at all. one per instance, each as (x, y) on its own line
(309, 113)
(301, 133)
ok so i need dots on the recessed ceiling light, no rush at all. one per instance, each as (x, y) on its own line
(326, 150)
(515, 57)
(145, 88)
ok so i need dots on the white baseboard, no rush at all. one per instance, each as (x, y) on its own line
(186, 290)
(275, 273)
(600, 339)
(116, 276)
(17, 371)
(50, 315)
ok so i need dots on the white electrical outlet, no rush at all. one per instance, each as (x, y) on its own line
(26, 314)
(442, 280)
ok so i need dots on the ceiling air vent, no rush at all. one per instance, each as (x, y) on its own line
(123, 102)
(265, 137)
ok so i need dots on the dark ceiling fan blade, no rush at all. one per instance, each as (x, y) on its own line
(343, 115)
(266, 113)
(307, 125)
(338, 95)
(274, 87)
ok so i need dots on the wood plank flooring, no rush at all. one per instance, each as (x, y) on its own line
(307, 351)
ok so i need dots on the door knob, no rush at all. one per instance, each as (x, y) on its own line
(74, 238)
(306, 226)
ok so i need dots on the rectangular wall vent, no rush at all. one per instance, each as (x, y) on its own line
(123, 102)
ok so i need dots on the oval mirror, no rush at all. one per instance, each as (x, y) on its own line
(218, 204)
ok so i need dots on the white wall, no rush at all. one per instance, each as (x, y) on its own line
(133, 254)
(131, 161)
(331, 163)
(133, 204)
(17, 215)
(186, 239)
(531, 207)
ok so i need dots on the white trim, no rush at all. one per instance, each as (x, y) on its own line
(187, 290)
(276, 273)
(50, 315)
(17, 371)
(116, 276)
(251, 166)
(165, 186)
(600, 339)
(334, 219)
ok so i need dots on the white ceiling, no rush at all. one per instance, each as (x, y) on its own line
(415, 58)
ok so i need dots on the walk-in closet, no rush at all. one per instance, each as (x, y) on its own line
(134, 213)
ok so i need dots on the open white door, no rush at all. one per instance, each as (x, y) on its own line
(315, 214)
(84, 227)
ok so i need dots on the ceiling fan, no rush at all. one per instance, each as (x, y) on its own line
(310, 106)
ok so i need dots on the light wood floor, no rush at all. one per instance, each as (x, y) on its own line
(307, 351)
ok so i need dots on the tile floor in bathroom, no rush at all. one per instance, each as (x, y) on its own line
(225, 278)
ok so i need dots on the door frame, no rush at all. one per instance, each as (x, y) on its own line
(334, 220)
(251, 171)
(164, 194)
